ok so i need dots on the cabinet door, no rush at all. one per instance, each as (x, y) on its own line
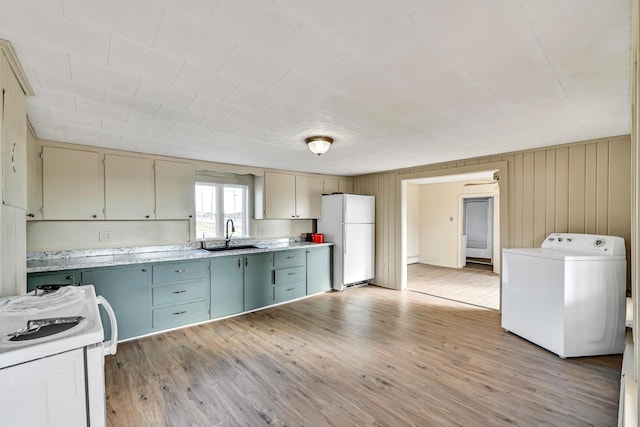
(279, 195)
(71, 184)
(175, 190)
(14, 171)
(318, 270)
(345, 186)
(258, 286)
(129, 187)
(127, 290)
(226, 286)
(34, 179)
(330, 185)
(308, 197)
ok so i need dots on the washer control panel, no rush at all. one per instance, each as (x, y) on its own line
(590, 243)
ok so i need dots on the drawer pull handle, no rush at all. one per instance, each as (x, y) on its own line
(291, 274)
(290, 257)
(178, 313)
(69, 278)
(180, 292)
(182, 270)
(290, 289)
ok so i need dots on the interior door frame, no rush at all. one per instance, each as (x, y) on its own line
(496, 230)
(402, 181)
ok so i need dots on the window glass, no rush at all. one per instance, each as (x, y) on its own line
(215, 204)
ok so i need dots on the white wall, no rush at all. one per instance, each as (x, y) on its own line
(441, 221)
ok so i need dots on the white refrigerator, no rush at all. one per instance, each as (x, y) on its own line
(348, 220)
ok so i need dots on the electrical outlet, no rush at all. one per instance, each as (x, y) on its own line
(105, 236)
(260, 230)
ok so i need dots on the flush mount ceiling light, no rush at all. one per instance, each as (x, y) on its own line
(319, 144)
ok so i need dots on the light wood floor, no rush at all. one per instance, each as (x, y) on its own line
(366, 356)
(469, 285)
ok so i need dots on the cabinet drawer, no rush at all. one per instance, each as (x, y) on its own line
(288, 258)
(181, 314)
(291, 274)
(179, 292)
(178, 271)
(62, 277)
(290, 291)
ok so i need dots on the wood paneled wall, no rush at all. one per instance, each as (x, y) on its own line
(582, 187)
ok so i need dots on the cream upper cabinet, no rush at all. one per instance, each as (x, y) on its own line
(175, 190)
(71, 184)
(308, 197)
(288, 196)
(279, 195)
(34, 179)
(14, 146)
(345, 185)
(129, 186)
(330, 185)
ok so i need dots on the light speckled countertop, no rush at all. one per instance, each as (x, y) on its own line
(38, 262)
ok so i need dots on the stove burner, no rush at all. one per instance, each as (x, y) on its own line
(40, 328)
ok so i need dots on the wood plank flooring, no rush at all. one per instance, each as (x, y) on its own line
(468, 285)
(367, 356)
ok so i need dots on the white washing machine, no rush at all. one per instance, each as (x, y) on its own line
(569, 295)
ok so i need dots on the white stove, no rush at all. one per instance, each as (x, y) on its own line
(52, 358)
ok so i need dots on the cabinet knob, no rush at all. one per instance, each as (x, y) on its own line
(146, 216)
(30, 215)
(190, 216)
(94, 216)
(144, 269)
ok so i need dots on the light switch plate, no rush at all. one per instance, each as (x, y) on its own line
(105, 236)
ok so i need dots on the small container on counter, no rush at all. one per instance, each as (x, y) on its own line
(317, 238)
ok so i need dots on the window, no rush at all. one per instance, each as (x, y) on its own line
(216, 203)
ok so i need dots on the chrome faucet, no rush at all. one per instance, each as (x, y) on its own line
(227, 237)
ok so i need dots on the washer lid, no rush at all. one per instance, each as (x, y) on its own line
(561, 255)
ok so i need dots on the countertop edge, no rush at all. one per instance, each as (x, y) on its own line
(61, 264)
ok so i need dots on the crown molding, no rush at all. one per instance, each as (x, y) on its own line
(14, 63)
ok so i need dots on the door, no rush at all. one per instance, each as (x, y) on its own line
(359, 209)
(71, 184)
(226, 286)
(478, 227)
(126, 290)
(258, 287)
(318, 270)
(129, 187)
(358, 253)
(175, 190)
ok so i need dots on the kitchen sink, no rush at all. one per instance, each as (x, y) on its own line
(231, 248)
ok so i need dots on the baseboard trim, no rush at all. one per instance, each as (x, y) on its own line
(413, 259)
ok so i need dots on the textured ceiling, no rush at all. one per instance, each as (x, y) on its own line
(397, 83)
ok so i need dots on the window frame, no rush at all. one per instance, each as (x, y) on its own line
(220, 215)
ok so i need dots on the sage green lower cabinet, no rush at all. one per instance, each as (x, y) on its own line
(66, 277)
(127, 291)
(258, 287)
(319, 270)
(289, 275)
(179, 293)
(227, 290)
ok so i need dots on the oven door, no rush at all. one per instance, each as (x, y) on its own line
(48, 391)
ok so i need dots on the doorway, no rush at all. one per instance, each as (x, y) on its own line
(451, 237)
(477, 231)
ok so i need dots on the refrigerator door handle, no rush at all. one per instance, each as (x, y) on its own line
(344, 243)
